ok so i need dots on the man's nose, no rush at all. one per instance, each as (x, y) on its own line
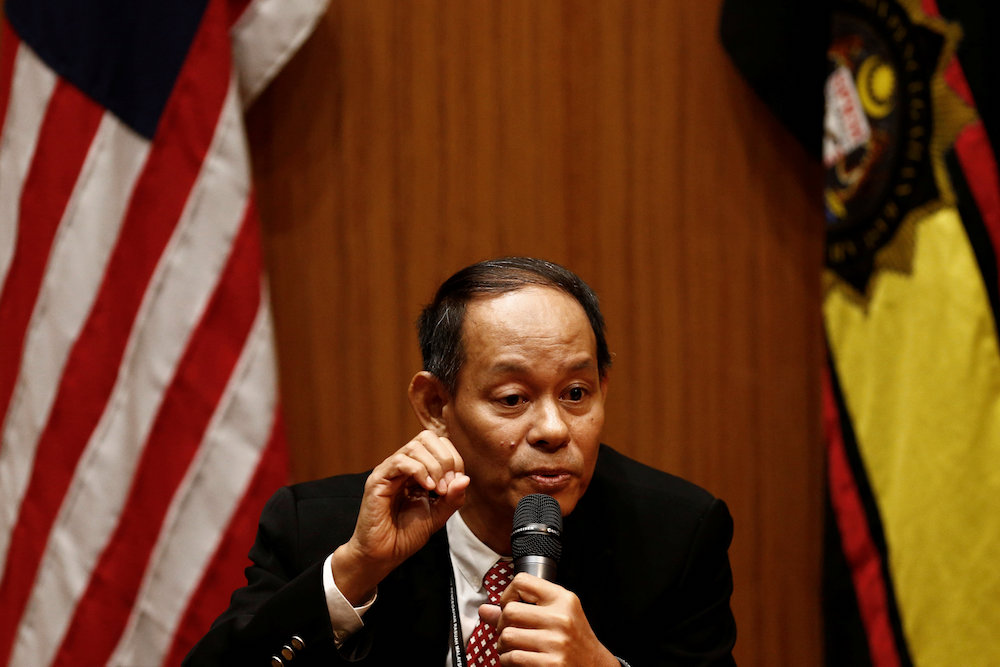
(550, 428)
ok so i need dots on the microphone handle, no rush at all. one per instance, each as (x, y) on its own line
(539, 566)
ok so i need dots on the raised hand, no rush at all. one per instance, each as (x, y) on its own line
(407, 498)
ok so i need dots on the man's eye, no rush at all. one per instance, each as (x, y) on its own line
(511, 401)
(576, 394)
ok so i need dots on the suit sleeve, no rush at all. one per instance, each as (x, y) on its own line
(688, 621)
(283, 598)
(701, 628)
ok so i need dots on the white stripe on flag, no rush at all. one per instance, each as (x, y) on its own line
(265, 36)
(32, 85)
(184, 280)
(83, 243)
(203, 506)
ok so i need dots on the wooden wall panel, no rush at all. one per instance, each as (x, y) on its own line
(408, 139)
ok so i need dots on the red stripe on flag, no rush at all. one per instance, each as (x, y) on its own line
(71, 121)
(177, 432)
(183, 138)
(980, 168)
(9, 43)
(977, 159)
(955, 78)
(930, 8)
(862, 555)
(222, 575)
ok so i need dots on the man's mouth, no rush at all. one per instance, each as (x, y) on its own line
(550, 480)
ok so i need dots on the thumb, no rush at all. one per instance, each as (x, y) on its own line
(453, 499)
(490, 613)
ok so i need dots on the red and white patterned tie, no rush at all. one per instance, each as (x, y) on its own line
(481, 648)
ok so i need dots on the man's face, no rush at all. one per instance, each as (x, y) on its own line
(528, 409)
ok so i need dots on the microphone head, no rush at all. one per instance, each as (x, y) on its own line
(537, 527)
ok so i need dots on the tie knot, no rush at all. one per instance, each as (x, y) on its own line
(496, 580)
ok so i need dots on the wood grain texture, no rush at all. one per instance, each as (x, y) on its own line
(408, 139)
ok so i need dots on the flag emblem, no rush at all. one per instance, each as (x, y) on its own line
(889, 119)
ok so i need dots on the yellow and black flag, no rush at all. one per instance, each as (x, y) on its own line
(910, 307)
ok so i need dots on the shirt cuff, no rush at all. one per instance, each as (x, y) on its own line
(344, 617)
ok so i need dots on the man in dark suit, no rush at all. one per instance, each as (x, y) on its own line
(388, 568)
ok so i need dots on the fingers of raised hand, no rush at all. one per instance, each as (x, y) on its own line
(439, 457)
(441, 448)
(428, 461)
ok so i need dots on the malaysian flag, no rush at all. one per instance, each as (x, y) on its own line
(911, 311)
(138, 407)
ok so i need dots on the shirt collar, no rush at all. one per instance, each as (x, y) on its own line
(472, 557)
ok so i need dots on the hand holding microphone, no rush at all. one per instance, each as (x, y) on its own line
(536, 615)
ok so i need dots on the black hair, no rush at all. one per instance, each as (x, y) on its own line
(440, 322)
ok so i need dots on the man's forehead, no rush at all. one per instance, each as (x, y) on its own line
(505, 366)
(541, 312)
(509, 333)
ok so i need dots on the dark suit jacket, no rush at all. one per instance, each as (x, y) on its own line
(646, 552)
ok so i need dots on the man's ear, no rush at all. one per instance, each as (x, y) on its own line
(428, 396)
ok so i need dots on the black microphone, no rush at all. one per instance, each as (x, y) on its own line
(536, 539)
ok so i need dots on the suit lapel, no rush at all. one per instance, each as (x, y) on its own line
(414, 602)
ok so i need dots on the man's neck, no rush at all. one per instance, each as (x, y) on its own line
(494, 532)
